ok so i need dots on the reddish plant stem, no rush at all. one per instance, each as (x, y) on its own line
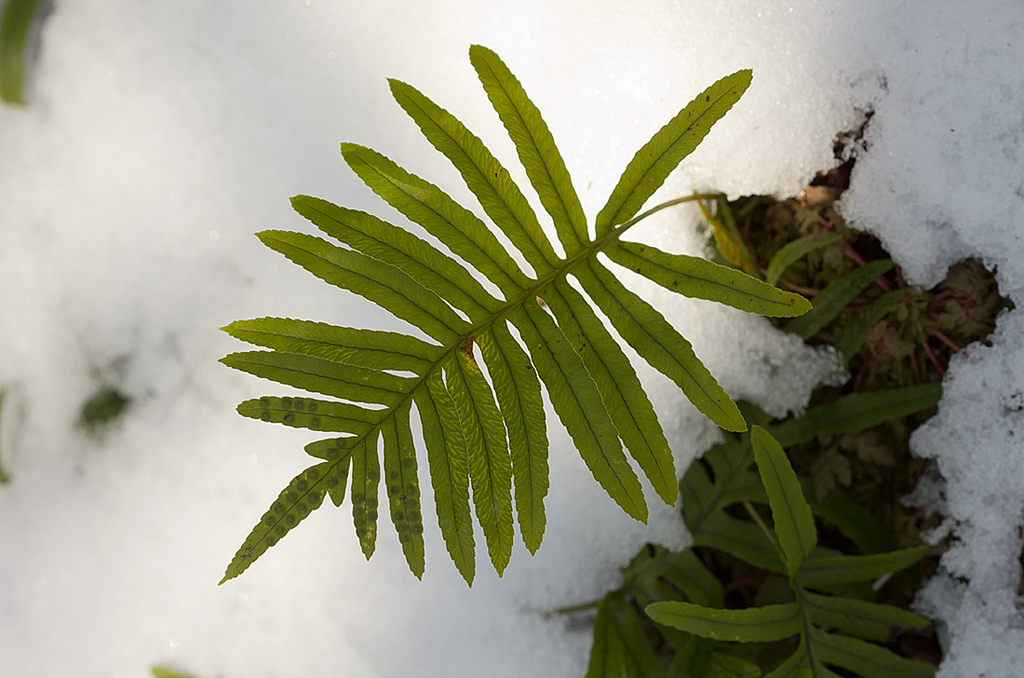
(931, 357)
(947, 341)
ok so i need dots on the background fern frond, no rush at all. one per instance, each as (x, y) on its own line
(474, 382)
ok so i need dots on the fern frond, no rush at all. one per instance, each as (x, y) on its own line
(476, 380)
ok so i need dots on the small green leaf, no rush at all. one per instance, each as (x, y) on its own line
(755, 624)
(624, 396)
(871, 621)
(17, 18)
(579, 405)
(638, 655)
(403, 487)
(536, 147)
(829, 571)
(657, 342)
(449, 472)
(518, 391)
(834, 298)
(794, 523)
(311, 413)
(323, 376)
(303, 495)
(652, 164)
(793, 251)
(365, 484)
(335, 450)
(490, 466)
(489, 181)
(866, 659)
(392, 245)
(607, 652)
(383, 284)
(739, 538)
(703, 279)
(855, 333)
(371, 349)
(433, 209)
(162, 672)
(857, 411)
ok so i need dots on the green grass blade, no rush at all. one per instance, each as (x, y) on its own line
(536, 148)
(829, 571)
(490, 466)
(385, 285)
(834, 298)
(422, 261)
(301, 497)
(311, 413)
(372, 349)
(624, 396)
(323, 376)
(794, 523)
(870, 621)
(856, 412)
(449, 472)
(866, 659)
(522, 406)
(403, 487)
(647, 171)
(657, 342)
(489, 181)
(365, 491)
(430, 207)
(793, 251)
(578, 404)
(17, 18)
(703, 279)
(754, 624)
(855, 333)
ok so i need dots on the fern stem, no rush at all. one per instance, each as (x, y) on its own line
(671, 203)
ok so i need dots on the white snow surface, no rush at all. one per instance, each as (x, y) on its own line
(160, 137)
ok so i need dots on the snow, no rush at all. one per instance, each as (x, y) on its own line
(160, 136)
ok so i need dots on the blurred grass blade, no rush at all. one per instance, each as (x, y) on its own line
(14, 27)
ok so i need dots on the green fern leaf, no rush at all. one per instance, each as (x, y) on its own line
(483, 423)
(518, 391)
(449, 472)
(403, 488)
(794, 523)
(490, 471)
(652, 164)
(768, 623)
(536, 148)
